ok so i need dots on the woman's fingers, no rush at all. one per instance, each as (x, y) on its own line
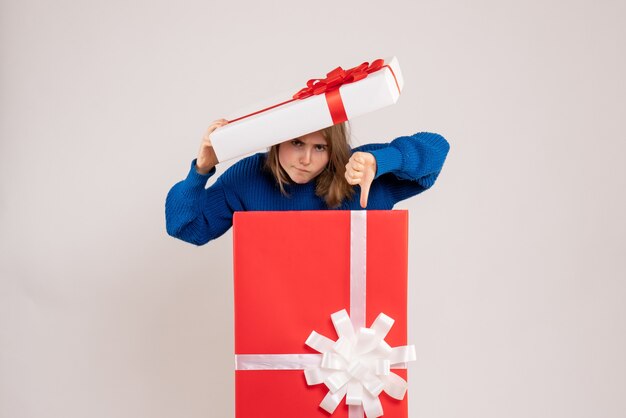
(356, 166)
(354, 170)
(207, 159)
(212, 127)
(218, 123)
(353, 181)
(353, 176)
(356, 174)
(361, 170)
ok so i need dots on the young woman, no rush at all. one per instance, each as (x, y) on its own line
(314, 172)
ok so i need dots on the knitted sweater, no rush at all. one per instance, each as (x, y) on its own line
(195, 214)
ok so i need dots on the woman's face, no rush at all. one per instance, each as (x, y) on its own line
(304, 158)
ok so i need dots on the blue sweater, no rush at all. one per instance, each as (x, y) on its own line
(405, 167)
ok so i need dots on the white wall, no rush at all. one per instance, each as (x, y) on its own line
(517, 286)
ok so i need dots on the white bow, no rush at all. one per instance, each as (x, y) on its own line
(358, 364)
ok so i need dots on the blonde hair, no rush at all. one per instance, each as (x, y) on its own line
(331, 184)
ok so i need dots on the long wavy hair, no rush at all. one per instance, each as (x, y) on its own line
(331, 184)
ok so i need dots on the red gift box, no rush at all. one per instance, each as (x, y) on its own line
(292, 270)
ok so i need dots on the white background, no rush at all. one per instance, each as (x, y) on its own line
(517, 269)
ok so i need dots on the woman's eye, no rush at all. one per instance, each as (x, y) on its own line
(296, 143)
(320, 148)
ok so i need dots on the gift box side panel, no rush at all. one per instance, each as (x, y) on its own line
(279, 394)
(387, 269)
(375, 92)
(292, 271)
(397, 71)
(387, 273)
(288, 121)
(284, 393)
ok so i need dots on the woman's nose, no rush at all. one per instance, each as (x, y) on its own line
(305, 157)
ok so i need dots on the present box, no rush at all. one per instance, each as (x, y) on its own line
(342, 95)
(292, 270)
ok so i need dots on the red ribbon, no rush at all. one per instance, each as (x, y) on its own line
(332, 83)
(330, 87)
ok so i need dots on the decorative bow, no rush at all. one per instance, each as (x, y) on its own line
(338, 77)
(358, 364)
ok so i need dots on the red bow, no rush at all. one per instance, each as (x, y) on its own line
(338, 77)
(330, 87)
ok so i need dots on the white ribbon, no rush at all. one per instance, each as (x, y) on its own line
(358, 265)
(276, 361)
(358, 365)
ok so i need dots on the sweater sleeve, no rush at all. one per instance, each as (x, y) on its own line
(195, 214)
(409, 164)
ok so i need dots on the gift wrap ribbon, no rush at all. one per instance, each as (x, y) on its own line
(358, 365)
(330, 86)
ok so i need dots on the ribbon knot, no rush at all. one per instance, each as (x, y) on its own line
(357, 365)
(338, 77)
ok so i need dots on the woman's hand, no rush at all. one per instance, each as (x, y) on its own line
(361, 170)
(206, 156)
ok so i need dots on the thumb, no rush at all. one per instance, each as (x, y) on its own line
(365, 192)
